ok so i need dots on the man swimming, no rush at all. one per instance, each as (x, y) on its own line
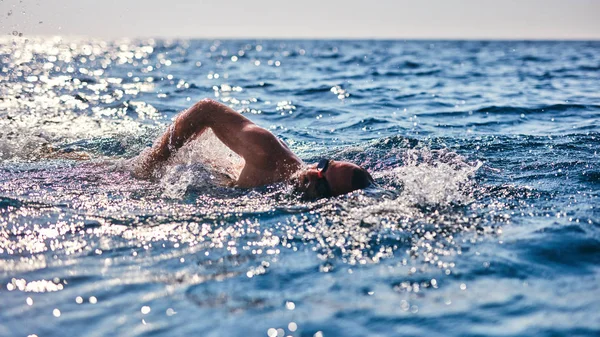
(267, 159)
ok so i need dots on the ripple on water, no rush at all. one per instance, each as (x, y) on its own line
(483, 213)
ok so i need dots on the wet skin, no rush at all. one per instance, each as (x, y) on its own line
(338, 176)
(267, 159)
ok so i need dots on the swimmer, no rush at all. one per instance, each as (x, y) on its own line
(267, 159)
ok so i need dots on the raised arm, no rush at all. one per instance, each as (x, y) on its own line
(261, 150)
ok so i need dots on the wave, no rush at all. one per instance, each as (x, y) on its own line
(517, 110)
(367, 122)
(554, 108)
(28, 138)
(397, 73)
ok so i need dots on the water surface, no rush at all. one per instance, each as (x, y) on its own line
(486, 221)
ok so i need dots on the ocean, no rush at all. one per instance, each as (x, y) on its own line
(485, 221)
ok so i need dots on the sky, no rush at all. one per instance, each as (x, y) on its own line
(386, 19)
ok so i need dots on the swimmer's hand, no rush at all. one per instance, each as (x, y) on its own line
(141, 173)
(143, 167)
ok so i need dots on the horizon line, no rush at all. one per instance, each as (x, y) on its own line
(305, 38)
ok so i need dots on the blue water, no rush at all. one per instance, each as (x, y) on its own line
(486, 222)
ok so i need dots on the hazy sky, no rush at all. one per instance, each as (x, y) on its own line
(465, 19)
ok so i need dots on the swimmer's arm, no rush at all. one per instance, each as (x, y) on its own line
(256, 145)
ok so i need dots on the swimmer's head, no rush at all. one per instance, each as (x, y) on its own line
(329, 178)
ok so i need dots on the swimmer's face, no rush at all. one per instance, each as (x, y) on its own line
(338, 178)
(311, 185)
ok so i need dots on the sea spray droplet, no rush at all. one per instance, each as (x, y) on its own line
(436, 203)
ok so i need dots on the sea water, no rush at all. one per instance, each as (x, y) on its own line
(485, 220)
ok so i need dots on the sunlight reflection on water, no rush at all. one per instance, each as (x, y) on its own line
(84, 245)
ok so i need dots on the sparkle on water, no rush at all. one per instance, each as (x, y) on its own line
(81, 238)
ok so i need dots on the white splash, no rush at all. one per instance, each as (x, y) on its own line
(202, 164)
(435, 178)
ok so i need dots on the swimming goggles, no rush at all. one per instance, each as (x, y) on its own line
(322, 167)
(322, 186)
